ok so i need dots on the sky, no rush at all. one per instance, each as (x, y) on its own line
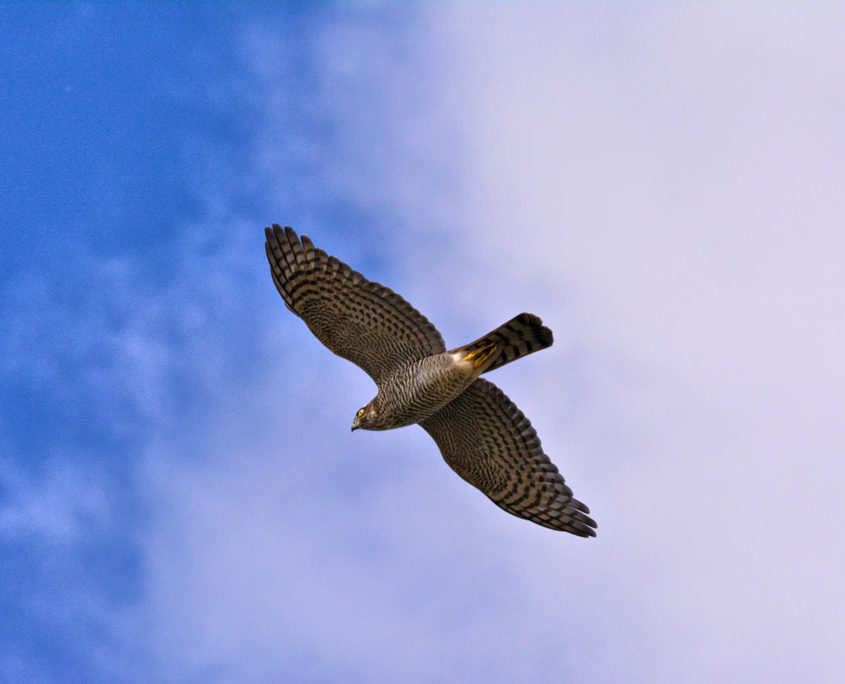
(181, 499)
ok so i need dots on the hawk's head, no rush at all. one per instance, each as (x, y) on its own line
(366, 418)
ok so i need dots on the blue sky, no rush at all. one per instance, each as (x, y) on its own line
(180, 496)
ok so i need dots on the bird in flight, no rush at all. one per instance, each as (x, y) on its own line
(481, 433)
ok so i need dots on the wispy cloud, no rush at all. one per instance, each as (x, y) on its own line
(659, 184)
(633, 220)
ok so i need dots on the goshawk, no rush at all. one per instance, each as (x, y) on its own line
(482, 435)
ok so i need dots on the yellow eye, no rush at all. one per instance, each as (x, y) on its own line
(360, 412)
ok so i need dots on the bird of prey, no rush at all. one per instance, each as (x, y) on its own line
(482, 435)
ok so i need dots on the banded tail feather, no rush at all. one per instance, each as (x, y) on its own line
(522, 335)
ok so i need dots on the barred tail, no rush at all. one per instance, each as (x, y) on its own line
(519, 337)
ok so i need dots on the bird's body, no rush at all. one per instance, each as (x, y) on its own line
(417, 391)
(482, 435)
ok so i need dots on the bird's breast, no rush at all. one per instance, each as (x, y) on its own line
(419, 390)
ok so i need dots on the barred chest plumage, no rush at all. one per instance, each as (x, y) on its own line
(419, 390)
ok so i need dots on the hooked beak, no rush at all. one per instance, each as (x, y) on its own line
(354, 427)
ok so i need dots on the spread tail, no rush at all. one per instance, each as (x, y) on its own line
(519, 337)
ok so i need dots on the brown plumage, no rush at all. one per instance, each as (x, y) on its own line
(482, 435)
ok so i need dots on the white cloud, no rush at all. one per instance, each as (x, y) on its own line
(676, 187)
(638, 179)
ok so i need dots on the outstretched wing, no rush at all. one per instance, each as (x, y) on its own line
(357, 319)
(488, 441)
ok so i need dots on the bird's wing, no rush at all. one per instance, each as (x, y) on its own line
(488, 441)
(357, 319)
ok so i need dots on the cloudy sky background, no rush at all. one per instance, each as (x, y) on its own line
(180, 496)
